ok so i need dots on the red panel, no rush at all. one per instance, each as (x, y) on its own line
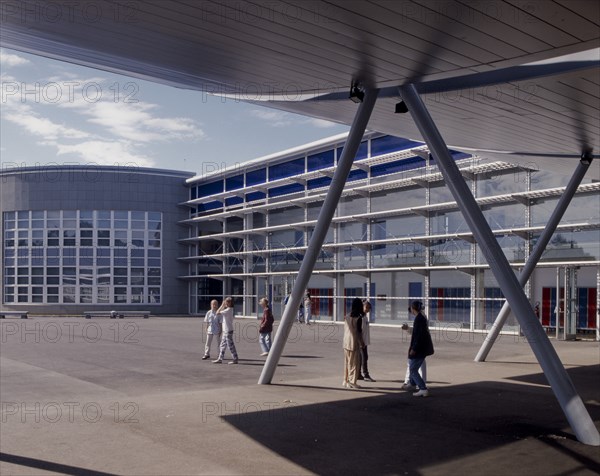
(546, 306)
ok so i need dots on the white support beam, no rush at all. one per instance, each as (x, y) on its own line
(536, 254)
(357, 130)
(559, 380)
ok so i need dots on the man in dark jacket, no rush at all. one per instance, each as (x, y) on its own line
(266, 327)
(421, 346)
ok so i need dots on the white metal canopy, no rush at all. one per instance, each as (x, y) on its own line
(303, 56)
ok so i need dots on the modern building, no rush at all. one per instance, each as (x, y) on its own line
(78, 238)
(397, 235)
(83, 238)
(517, 82)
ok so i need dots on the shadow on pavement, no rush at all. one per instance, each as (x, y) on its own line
(586, 379)
(50, 466)
(456, 428)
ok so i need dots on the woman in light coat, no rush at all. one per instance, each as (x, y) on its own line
(352, 343)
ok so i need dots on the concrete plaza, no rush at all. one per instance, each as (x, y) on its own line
(133, 397)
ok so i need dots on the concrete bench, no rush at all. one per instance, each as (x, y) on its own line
(21, 314)
(145, 314)
(115, 314)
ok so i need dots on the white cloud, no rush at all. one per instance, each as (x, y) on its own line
(10, 59)
(6, 78)
(274, 118)
(320, 123)
(135, 121)
(91, 119)
(277, 118)
(47, 130)
(105, 153)
(74, 79)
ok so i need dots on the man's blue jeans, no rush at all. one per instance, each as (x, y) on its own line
(265, 341)
(415, 379)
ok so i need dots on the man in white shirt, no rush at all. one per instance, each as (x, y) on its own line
(214, 327)
(226, 310)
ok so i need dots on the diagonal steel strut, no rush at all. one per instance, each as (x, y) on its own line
(320, 232)
(536, 254)
(559, 380)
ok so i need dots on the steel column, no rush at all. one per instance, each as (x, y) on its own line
(357, 130)
(536, 254)
(559, 380)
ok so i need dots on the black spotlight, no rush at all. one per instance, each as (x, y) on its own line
(401, 108)
(356, 94)
(587, 156)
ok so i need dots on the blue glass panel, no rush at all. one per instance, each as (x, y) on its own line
(286, 169)
(234, 183)
(210, 189)
(322, 160)
(459, 155)
(193, 193)
(492, 308)
(286, 189)
(250, 197)
(397, 166)
(357, 175)
(256, 177)
(362, 153)
(203, 207)
(379, 232)
(319, 182)
(233, 201)
(387, 144)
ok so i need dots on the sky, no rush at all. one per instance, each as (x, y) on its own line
(53, 112)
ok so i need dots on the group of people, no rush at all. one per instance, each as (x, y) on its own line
(219, 327)
(304, 309)
(356, 341)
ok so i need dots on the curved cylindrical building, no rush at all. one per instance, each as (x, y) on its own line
(88, 237)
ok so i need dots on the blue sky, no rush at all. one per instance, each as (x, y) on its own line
(55, 112)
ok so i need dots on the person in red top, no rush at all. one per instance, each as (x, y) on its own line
(266, 327)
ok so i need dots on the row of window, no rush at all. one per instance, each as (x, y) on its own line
(9, 263)
(85, 257)
(86, 215)
(52, 224)
(69, 240)
(72, 275)
(83, 294)
(309, 163)
(73, 252)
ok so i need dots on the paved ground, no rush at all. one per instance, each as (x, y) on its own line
(133, 397)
